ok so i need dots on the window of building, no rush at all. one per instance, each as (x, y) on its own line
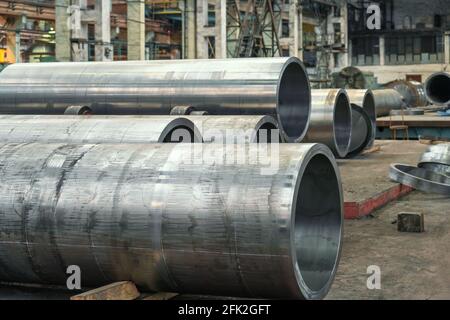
(211, 15)
(211, 47)
(412, 49)
(365, 51)
(285, 28)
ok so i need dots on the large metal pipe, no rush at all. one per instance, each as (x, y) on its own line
(97, 129)
(437, 88)
(361, 132)
(331, 120)
(172, 217)
(365, 100)
(267, 86)
(237, 129)
(413, 92)
(387, 100)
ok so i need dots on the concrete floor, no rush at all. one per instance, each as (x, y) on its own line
(413, 266)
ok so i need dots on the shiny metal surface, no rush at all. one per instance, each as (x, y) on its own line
(437, 88)
(407, 112)
(97, 129)
(265, 86)
(438, 168)
(420, 179)
(172, 217)
(331, 120)
(237, 129)
(436, 158)
(413, 92)
(361, 131)
(365, 100)
(387, 100)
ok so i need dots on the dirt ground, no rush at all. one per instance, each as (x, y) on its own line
(413, 266)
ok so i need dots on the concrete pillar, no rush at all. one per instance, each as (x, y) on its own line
(190, 30)
(300, 32)
(136, 29)
(293, 28)
(221, 29)
(345, 61)
(103, 48)
(382, 51)
(62, 28)
(447, 47)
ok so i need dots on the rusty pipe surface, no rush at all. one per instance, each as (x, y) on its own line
(387, 100)
(364, 99)
(237, 129)
(97, 129)
(331, 120)
(437, 88)
(172, 217)
(264, 86)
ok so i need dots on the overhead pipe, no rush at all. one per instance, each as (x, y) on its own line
(331, 120)
(237, 129)
(387, 100)
(97, 129)
(171, 217)
(437, 88)
(255, 86)
(364, 99)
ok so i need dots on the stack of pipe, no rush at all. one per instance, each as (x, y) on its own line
(107, 193)
(276, 86)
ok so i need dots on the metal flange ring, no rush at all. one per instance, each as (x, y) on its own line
(420, 179)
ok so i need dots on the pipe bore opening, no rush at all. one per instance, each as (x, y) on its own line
(294, 101)
(438, 88)
(318, 225)
(369, 107)
(342, 124)
(265, 133)
(180, 134)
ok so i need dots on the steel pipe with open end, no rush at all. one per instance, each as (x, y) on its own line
(97, 129)
(331, 120)
(255, 86)
(437, 88)
(237, 129)
(364, 99)
(173, 217)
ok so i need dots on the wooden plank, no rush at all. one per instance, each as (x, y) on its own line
(161, 296)
(124, 290)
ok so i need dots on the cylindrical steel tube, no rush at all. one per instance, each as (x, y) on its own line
(267, 86)
(437, 88)
(97, 129)
(361, 131)
(237, 129)
(331, 120)
(387, 100)
(413, 92)
(365, 100)
(172, 217)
